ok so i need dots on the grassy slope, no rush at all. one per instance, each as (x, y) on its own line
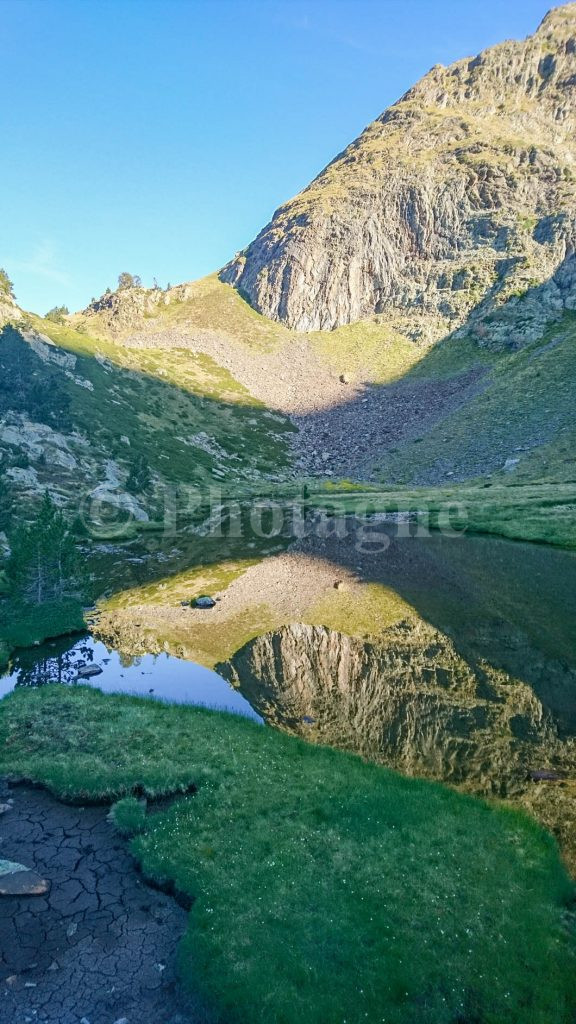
(527, 404)
(524, 413)
(160, 401)
(157, 399)
(325, 888)
(368, 347)
(120, 404)
(216, 307)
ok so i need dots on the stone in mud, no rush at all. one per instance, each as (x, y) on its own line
(204, 601)
(88, 671)
(18, 880)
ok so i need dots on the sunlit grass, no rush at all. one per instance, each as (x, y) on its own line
(370, 609)
(182, 586)
(544, 513)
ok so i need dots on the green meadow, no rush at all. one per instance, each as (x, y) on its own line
(322, 888)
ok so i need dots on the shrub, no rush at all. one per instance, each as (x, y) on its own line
(126, 280)
(57, 314)
(139, 477)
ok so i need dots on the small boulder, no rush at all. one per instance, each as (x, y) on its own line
(18, 880)
(89, 670)
(204, 601)
(344, 378)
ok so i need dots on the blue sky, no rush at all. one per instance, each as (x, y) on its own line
(158, 136)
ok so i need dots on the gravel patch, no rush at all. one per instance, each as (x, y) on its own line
(343, 428)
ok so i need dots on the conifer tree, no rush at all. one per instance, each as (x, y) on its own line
(43, 565)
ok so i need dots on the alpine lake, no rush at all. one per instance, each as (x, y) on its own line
(448, 657)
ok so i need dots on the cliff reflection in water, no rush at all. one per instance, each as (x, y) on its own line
(411, 701)
(473, 683)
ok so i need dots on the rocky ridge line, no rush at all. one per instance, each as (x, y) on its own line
(460, 196)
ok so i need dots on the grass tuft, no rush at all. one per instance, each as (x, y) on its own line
(128, 815)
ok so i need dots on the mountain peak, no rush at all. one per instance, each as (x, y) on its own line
(457, 197)
(559, 22)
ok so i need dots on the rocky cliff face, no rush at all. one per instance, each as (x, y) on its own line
(455, 200)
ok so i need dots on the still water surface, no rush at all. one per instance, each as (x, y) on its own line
(448, 658)
(157, 676)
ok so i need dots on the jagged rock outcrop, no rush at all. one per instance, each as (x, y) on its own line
(455, 200)
(121, 310)
(10, 312)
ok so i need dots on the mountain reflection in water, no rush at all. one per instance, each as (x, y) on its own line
(473, 685)
(410, 701)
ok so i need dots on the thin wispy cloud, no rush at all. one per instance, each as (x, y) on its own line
(311, 21)
(42, 262)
